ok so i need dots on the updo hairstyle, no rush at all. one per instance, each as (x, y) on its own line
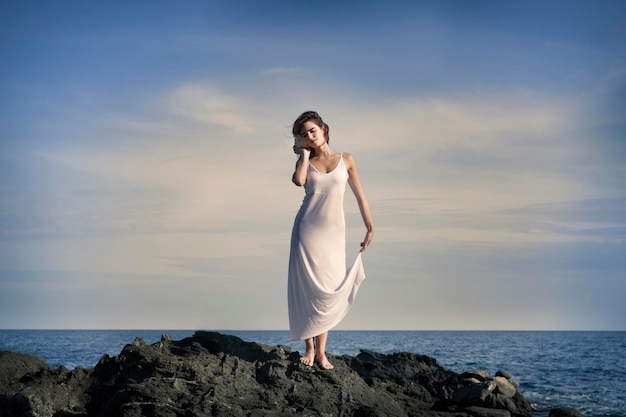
(310, 116)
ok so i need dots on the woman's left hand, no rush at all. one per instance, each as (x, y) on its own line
(368, 239)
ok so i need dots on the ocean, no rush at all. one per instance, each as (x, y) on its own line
(581, 370)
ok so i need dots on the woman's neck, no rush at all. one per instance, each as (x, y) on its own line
(323, 151)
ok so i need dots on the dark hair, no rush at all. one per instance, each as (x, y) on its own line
(310, 116)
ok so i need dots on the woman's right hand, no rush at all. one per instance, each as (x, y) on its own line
(300, 174)
(300, 146)
(302, 151)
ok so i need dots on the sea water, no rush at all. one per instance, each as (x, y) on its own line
(581, 370)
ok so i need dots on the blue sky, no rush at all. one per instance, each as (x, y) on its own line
(145, 160)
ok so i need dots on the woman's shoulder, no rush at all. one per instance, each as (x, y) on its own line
(347, 156)
(348, 159)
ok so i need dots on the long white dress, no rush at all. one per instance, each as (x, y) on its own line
(321, 290)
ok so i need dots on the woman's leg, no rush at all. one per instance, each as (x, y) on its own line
(320, 354)
(309, 357)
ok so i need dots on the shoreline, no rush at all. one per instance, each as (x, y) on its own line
(232, 369)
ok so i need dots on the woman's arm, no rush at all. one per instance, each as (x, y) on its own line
(357, 189)
(302, 165)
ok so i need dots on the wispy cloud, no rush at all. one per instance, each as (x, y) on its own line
(474, 153)
(207, 105)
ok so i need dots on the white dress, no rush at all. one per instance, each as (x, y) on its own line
(321, 290)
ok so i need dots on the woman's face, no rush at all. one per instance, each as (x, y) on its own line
(312, 134)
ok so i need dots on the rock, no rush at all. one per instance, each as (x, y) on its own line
(504, 386)
(210, 374)
(487, 412)
(501, 402)
(30, 388)
(14, 366)
(139, 342)
(474, 392)
(522, 406)
(504, 374)
(564, 412)
(479, 374)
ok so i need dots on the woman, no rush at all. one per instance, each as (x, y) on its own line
(320, 289)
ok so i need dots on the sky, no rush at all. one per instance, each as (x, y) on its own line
(146, 161)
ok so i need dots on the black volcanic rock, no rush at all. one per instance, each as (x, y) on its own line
(211, 374)
(29, 387)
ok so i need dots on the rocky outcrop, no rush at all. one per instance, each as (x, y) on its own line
(30, 388)
(564, 412)
(481, 394)
(210, 374)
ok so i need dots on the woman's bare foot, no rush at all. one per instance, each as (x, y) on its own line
(308, 359)
(322, 361)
